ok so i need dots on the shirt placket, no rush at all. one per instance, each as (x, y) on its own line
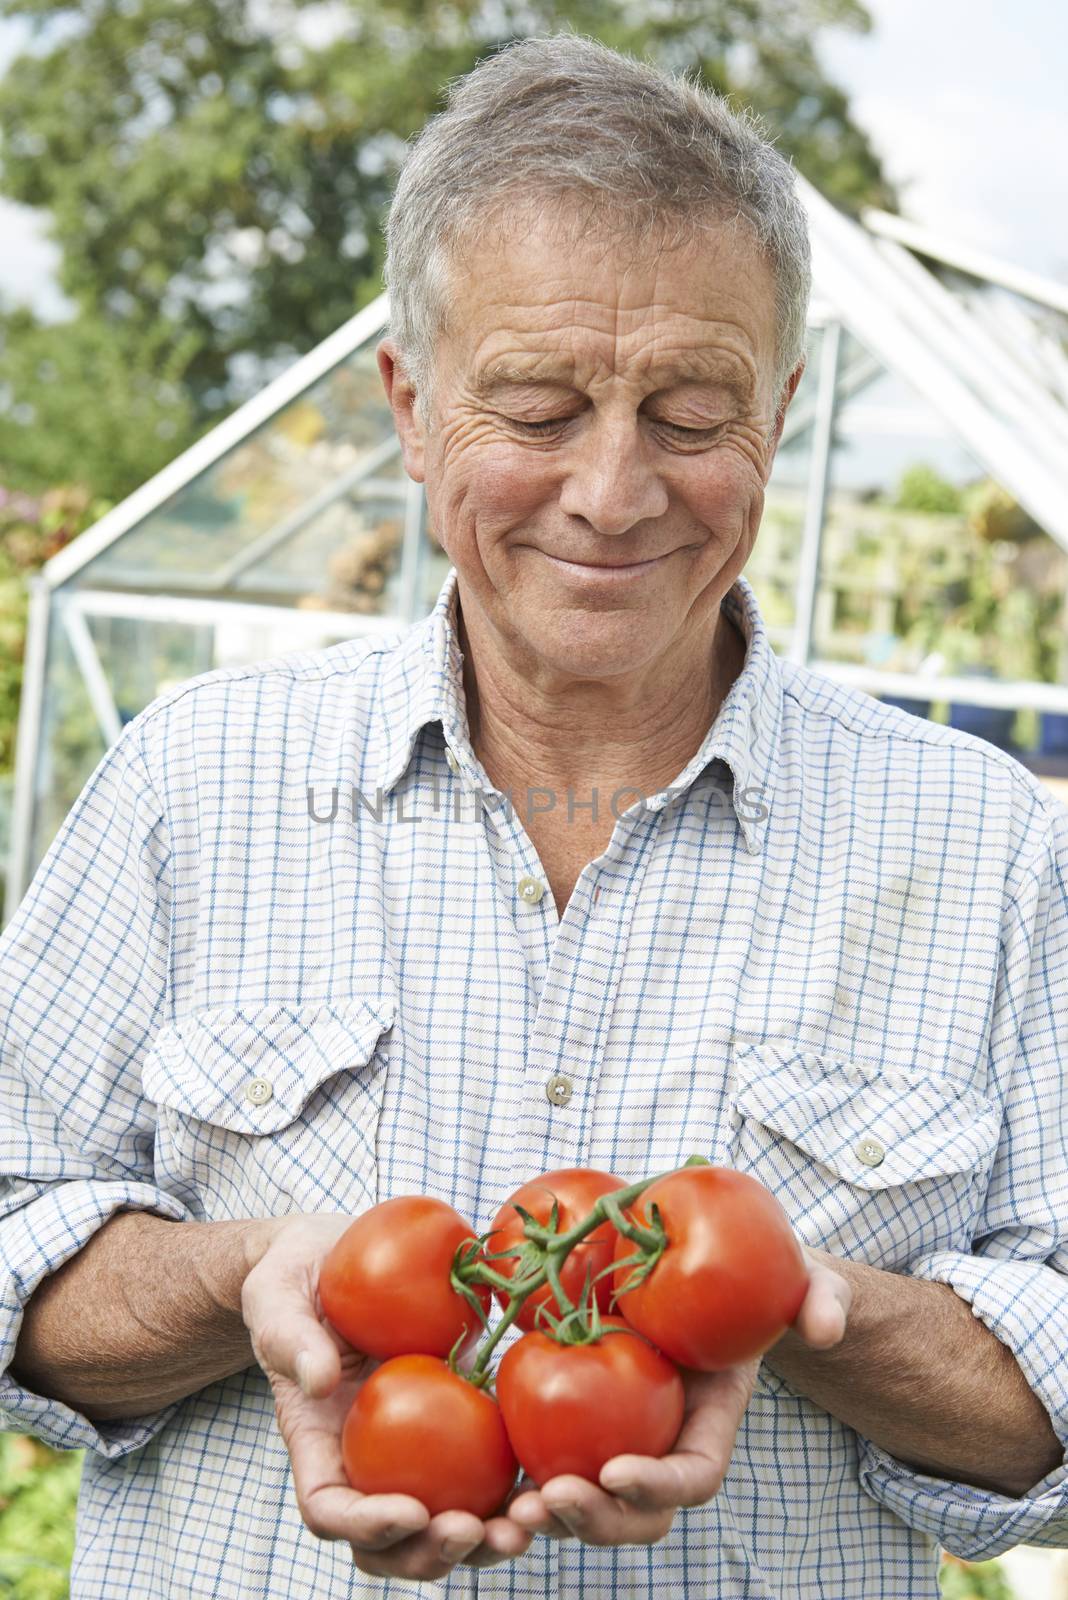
(576, 962)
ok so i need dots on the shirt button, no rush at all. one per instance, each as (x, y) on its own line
(559, 1089)
(259, 1091)
(451, 759)
(530, 890)
(871, 1152)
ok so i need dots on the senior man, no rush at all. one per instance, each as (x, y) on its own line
(575, 872)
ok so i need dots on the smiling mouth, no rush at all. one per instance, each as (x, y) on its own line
(603, 566)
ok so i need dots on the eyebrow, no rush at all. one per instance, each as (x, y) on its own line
(503, 373)
(499, 374)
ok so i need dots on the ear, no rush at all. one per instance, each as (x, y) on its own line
(788, 392)
(401, 396)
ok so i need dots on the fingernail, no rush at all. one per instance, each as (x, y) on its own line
(456, 1549)
(303, 1365)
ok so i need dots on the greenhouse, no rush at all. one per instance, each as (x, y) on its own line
(914, 541)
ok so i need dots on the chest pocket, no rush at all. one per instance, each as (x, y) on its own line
(266, 1110)
(878, 1165)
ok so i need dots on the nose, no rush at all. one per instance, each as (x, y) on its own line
(610, 480)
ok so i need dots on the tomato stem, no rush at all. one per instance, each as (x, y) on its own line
(646, 1237)
(545, 1251)
(480, 1371)
(552, 1273)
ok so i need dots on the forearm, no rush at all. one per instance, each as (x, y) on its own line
(148, 1312)
(921, 1377)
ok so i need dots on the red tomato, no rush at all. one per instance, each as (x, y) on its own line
(415, 1427)
(385, 1284)
(577, 1189)
(571, 1408)
(732, 1278)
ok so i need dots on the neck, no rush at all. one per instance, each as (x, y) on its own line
(580, 734)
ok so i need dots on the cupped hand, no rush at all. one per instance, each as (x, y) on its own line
(637, 1497)
(391, 1535)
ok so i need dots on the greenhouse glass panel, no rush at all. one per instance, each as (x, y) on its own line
(929, 566)
(142, 659)
(346, 558)
(303, 475)
(71, 741)
(772, 565)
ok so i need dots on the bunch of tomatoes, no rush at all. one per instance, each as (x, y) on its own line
(614, 1288)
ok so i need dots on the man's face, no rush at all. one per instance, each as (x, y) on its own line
(596, 463)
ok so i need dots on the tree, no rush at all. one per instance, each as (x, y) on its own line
(217, 173)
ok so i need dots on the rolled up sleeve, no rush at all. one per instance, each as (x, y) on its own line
(1015, 1277)
(83, 984)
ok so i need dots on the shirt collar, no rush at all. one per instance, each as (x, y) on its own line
(424, 680)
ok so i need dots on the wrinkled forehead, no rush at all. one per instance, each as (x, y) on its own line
(536, 294)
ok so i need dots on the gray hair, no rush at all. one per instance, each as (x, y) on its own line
(563, 116)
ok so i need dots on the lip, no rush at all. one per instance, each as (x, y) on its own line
(604, 570)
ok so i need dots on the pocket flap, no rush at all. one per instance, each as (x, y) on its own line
(207, 1065)
(871, 1126)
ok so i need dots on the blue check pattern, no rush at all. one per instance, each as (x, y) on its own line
(277, 959)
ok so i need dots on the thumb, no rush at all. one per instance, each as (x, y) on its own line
(278, 1304)
(824, 1313)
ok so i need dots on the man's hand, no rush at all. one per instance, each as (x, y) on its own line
(638, 1496)
(391, 1535)
(394, 1535)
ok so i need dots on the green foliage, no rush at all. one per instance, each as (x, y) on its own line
(38, 1499)
(922, 489)
(959, 573)
(91, 400)
(973, 1580)
(31, 532)
(217, 175)
(984, 605)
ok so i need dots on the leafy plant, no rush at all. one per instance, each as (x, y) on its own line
(973, 1580)
(32, 530)
(215, 176)
(922, 489)
(38, 1500)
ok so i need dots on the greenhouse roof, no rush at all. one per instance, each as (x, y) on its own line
(975, 355)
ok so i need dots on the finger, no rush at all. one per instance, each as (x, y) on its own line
(371, 1522)
(533, 1516)
(330, 1508)
(449, 1537)
(503, 1540)
(824, 1313)
(693, 1472)
(597, 1517)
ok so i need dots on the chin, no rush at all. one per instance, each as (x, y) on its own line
(597, 646)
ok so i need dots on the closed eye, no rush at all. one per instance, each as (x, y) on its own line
(546, 426)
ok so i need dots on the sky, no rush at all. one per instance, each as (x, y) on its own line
(963, 99)
(965, 102)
